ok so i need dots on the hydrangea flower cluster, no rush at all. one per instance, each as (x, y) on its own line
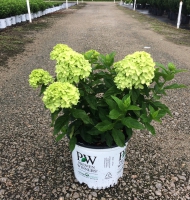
(59, 50)
(60, 95)
(39, 77)
(83, 99)
(134, 70)
(71, 66)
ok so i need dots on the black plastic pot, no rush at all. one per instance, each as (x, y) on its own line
(82, 143)
(185, 19)
(172, 16)
(160, 12)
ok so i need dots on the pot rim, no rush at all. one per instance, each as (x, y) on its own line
(99, 147)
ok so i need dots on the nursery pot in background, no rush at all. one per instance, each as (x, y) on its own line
(3, 23)
(98, 167)
(18, 18)
(13, 20)
(8, 21)
(23, 17)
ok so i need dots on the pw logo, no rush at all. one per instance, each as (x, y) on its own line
(85, 158)
(122, 154)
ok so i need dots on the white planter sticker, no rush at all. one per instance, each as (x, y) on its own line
(98, 168)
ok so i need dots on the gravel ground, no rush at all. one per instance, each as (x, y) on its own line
(34, 167)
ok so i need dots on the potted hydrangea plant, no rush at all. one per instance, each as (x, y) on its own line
(97, 103)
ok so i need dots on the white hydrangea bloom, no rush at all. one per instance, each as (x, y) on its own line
(39, 77)
(135, 70)
(60, 95)
(71, 66)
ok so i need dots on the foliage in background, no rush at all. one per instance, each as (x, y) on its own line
(10, 8)
(172, 5)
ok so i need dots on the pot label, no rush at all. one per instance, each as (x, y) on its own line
(108, 162)
(98, 167)
(85, 158)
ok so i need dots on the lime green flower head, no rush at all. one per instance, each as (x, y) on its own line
(59, 50)
(60, 95)
(72, 68)
(39, 77)
(136, 70)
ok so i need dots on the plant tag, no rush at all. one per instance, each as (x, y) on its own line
(98, 168)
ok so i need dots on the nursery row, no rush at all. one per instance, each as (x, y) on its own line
(9, 21)
(168, 5)
(10, 8)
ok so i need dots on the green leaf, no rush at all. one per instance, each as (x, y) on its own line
(94, 131)
(109, 82)
(86, 137)
(81, 114)
(180, 70)
(111, 91)
(91, 101)
(112, 104)
(132, 107)
(161, 113)
(73, 126)
(96, 82)
(104, 126)
(59, 123)
(158, 104)
(146, 90)
(145, 118)
(118, 137)
(132, 123)
(150, 128)
(129, 132)
(114, 114)
(109, 139)
(175, 86)
(155, 114)
(151, 109)
(126, 100)
(88, 89)
(54, 116)
(134, 95)
(72, 143)
(59, 137)
(162, 67)
(43, 88)
(119, 103)
(103, 114)
(107, 60)
(168, 77)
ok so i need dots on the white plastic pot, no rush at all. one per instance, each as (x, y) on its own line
(34, 15)
(52, 10)
(27, 16)
(8, 21)
(23, 18)
(98, 168)
(13, 20)
(40, 13)
(44, 12)
(63, 6)
(18, 18)
(3, 23)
